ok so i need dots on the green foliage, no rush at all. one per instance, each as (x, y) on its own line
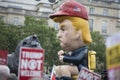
(98, 45)
(12, 35)
(7, 38)
(30, 21)
(47, 37)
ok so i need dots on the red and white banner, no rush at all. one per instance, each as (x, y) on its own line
(86, 74)
(3, 57)
(31, 62)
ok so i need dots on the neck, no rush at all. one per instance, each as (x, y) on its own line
(78, 45)
(75, 45)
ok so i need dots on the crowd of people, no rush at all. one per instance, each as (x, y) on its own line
(5, 73)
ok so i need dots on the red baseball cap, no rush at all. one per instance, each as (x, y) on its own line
(71, 8)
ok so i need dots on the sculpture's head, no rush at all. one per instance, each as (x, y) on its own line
(74, 14)
(30, 41)
(79, 24)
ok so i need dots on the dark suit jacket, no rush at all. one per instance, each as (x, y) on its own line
(78, 57)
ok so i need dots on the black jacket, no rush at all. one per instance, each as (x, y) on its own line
(78, 57)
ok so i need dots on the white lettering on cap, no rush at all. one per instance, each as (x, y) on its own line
(76, 9)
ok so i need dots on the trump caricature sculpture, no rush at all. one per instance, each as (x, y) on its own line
(74, 35)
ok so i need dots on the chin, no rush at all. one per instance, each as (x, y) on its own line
(65, 47)
(62, 46)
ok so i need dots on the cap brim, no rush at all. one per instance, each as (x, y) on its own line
(57, 14)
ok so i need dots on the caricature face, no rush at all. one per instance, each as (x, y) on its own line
(67, 35)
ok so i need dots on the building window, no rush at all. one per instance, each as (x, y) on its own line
(91, 11)
(16, 21)
(17, 10)
(2, 18)
(91, 24)
(104, 26)
(90, 0)
(118, 1)
(105, 11)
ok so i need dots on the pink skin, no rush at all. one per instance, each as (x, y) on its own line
(68, 36)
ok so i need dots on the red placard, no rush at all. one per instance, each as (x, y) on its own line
(31, 62)
(3, 57)
(86, 74)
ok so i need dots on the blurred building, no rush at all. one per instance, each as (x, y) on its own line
(104, 15)
(14, 11)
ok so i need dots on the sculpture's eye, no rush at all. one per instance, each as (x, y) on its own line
(24, 43)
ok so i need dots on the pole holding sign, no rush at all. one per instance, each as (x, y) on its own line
(31, 62)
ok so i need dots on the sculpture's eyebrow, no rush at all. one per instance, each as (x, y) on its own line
(62, 25)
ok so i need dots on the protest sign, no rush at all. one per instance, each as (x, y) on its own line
(113, 56)
(86, 74)
(31, 62)
(3, 57)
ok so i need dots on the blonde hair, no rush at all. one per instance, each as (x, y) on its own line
(79, 24)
